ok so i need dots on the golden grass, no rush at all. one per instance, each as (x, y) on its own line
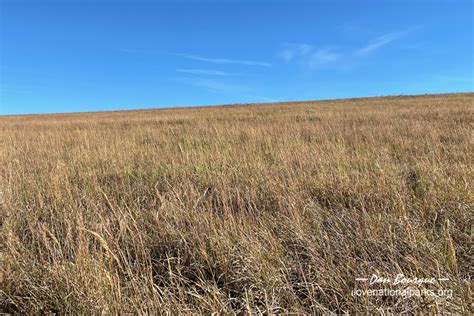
(243, 208)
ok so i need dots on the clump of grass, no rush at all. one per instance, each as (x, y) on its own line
(173, 210)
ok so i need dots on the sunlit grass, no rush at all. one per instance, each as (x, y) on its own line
(250, 208)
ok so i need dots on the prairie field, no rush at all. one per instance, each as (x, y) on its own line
(250, 208)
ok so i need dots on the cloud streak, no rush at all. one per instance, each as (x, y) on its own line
(308, 55)
(314, 58)
(379, 42)
(225, 60)
(322, 57)
(295, 50)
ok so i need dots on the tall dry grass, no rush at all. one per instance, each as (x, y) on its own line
(247, 208)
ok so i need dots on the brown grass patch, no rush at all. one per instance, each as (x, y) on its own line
(243, 208)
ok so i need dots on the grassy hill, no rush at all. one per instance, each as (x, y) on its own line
(267, 208)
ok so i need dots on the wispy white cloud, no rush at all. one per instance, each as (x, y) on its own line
(205, 72)
(294, 50)
(225, 60)
(319, 57)
(308, 55)
(379, 42)
(322, 57)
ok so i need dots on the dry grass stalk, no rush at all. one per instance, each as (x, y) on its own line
(244, 208)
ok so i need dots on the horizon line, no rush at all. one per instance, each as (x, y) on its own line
(164, 107)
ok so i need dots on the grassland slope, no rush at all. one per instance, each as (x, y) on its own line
(271, 208)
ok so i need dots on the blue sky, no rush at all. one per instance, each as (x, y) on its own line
(64, 56)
